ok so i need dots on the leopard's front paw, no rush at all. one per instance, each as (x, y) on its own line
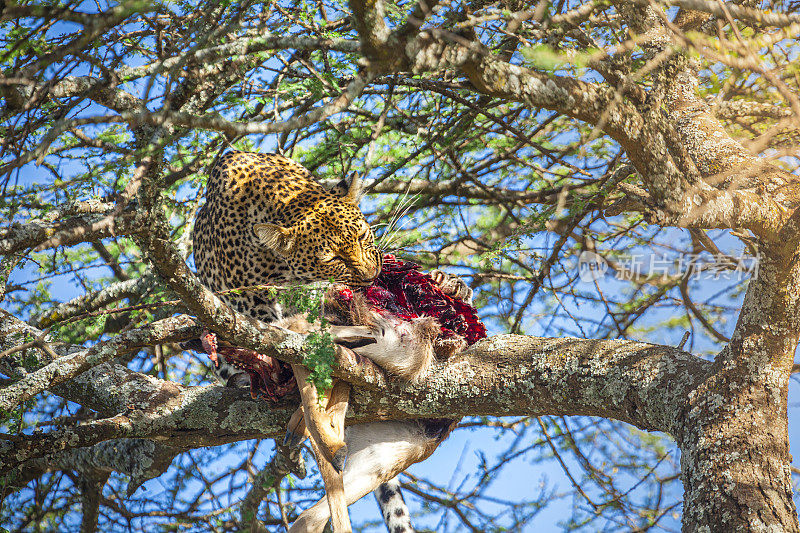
(452, 286)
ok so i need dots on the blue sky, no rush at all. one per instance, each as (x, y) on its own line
(457, 461)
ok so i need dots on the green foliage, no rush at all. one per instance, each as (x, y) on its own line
(460, 180)
(7, 480)
(545, 57)
(303, 298)
(15, 421)
(542, 56)
(320, 356)
(320, 360)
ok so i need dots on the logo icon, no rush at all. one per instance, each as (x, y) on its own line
(591, 266)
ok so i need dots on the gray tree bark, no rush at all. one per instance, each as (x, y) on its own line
(728, 416)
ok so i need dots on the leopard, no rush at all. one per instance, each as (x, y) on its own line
(268, 221)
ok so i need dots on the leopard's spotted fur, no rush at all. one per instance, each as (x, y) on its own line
(268, 221)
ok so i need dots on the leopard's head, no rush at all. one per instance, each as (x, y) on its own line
(329, 240)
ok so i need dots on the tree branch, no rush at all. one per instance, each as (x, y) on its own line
(643, 384)
(83, 222)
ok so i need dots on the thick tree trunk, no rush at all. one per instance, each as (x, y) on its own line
(735, 446)
(735, 462)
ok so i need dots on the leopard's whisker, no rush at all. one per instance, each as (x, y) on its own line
(388, 236)
(400, 209)
(394, 231)
(394, 238)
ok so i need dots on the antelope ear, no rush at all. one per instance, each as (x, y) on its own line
(275, 237)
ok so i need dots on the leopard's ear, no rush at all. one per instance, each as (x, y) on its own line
(354, 190)
(340, 189)
(277, 238)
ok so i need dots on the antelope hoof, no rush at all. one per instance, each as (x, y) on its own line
(339, 458)
(292, 439)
